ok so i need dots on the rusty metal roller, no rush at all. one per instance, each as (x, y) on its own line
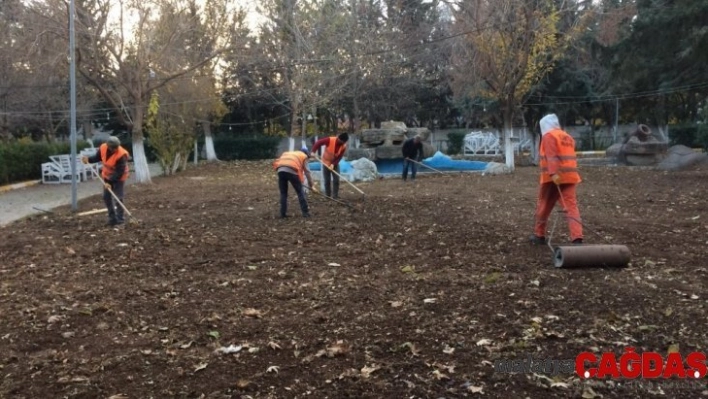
(591, 256)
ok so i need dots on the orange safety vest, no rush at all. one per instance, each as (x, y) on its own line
(329, 154)
(565, 158)
(109, 163)
(294, 160)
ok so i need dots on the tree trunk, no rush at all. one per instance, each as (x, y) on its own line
(507, 130)
(209, 142)
(293, 122)
(535, 147)
(142, 172)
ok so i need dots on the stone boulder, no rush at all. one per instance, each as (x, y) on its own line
(386, 142)
(495, 168)
(363, 170)
(639, 148)
(391, 125)
(382, 137)
(680, 157)
(423, 132)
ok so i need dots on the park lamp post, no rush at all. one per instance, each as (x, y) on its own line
(72, 95)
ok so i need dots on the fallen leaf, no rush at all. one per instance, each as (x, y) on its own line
(273, 369)
(334, 264)
(474, 389)
(214, 334)
(251, 312)
(366, 370)
(673, 348)
(200, 366)
(588, 393)
(448, 350)
(396, 304)
(273, 345)
(187, 345)
(430, 300)
(118, 396)
(243, 384)
(407, 269)
(559, 385)
(229, 349)
(440, 376)
(411, 347)
(484, 342)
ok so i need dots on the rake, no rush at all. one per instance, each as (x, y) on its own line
(131, 218)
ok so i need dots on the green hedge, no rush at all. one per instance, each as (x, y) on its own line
(250, 147)
(684, 135)
(21, 161)
(455, 141)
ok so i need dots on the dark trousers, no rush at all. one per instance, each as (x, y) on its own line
(283, 179)
(414, 169)
(331, 181)
(115, 211)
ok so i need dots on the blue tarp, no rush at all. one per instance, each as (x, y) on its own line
(438, 161)
(442, 162)
(344, 166)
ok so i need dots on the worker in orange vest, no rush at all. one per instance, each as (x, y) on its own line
(334, 149)
(114, 174)
(292, 168)
(559, 179)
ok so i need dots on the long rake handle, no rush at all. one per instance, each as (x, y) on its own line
(426, 166)
(329, 198)
(340, 176)
(112, 193)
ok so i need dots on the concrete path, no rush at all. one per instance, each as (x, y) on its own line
(18, 203)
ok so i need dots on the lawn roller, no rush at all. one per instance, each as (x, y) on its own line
(594, 255)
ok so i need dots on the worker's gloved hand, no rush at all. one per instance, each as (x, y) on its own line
(84, 160)
(107, 186)
(312, 188)
(556, 179)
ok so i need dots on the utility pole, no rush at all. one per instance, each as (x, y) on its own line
(617, 110)
(72, 85)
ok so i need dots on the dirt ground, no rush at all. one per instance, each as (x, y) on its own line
(413, 294)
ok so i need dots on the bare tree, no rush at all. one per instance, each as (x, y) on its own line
(127, 65)
(505, 47)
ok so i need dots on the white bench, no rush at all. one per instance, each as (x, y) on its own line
(59, 169)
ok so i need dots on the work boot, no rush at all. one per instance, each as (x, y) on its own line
(112, 222)
(578, 241)
(536, 240)
(306, 215)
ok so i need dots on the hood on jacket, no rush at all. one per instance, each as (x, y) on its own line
(548, 123)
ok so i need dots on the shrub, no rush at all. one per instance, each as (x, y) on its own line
(455, 142)
(684, 135)
(22, 161)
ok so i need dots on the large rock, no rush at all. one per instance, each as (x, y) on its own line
(640, 148)
(393, 125)
(357, 153)
(614, 150)
(363, 170)
(680, 157)
(423, 132)
(495, 168)
(382, 137)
